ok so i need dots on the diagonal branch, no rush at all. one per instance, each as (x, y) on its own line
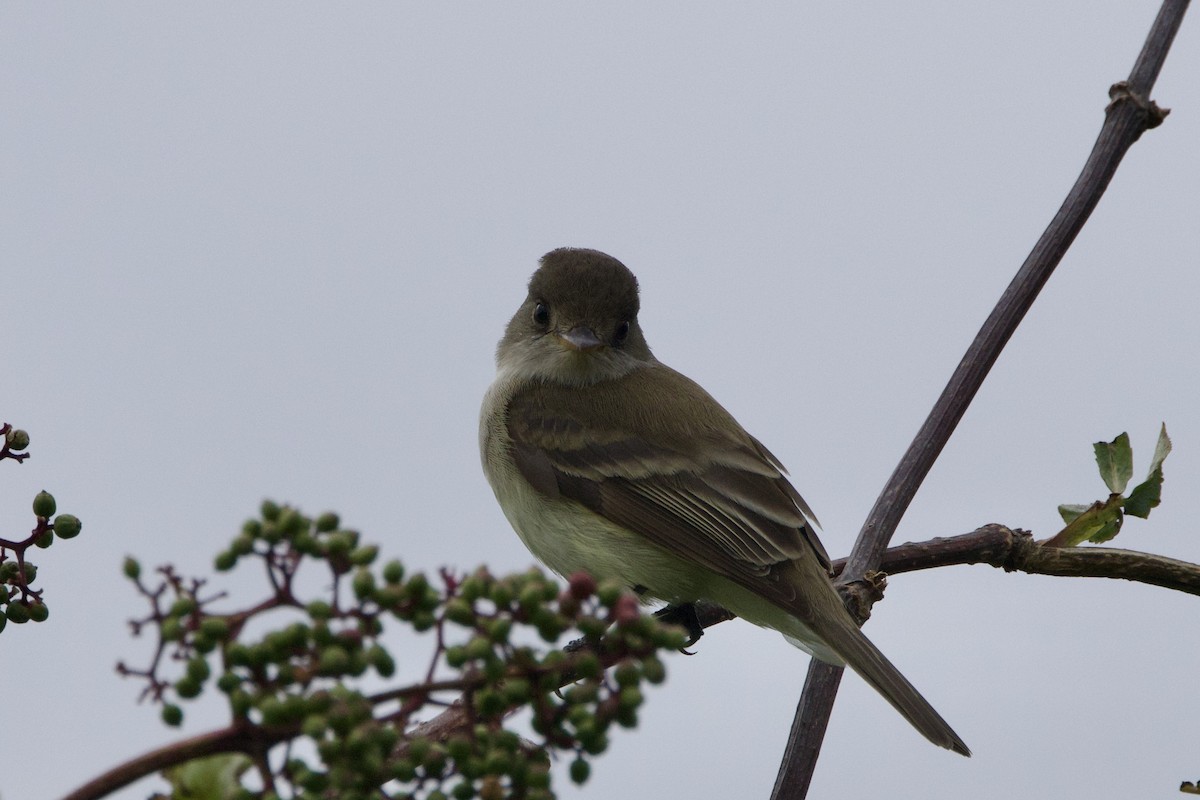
(1127, 117)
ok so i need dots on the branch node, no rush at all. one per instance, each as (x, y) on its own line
(1120, 93)
(860, 595)
(1021, 545)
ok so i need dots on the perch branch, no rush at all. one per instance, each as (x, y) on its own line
(1130, 113)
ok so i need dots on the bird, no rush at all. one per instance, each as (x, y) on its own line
(607, 461)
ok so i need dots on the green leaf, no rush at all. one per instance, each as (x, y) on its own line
(1115, 460)
(1069, 511)
(211, 778)
(1098, 522)
(1161, 448)
(1110, 527)
(1148, 494)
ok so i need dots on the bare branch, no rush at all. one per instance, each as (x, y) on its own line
(252, 740)
(1127, 117)
(1017, 551)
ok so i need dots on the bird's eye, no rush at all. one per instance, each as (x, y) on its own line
(541, 315)
(622, 331)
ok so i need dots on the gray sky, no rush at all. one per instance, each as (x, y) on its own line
(267, 250)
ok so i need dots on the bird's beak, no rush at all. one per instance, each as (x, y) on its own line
(580, 338)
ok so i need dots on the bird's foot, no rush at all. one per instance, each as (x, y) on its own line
(684, 615)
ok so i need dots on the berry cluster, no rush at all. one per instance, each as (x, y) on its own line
(19, 602)
(298, 693)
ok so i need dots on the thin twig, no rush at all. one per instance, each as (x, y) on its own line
(1127, 117)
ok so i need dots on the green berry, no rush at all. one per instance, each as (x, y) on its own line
(364, 556)
(17, 439)
(382, 660)
(456, 656)
(229, 682)
(489, 704)
(626, 674)
(539, 776)
(499, 629)
(479, 647)
(435, 761)
(587, 664)
(630, 697)
(171, 630)
(580, 770)
(269, 510)
(240, 703)
(198, 670)
(216, 627)
(291, 523)
(319, 609)
(363, 583)
(530, 598)
(18, 612)
(38, 612)
(404, 770)
(242, 545)
(67, 526)
(203, 642)
(653, 670)
(460, 611)
(44, 505)
(225, 561)
(182, 607)
(501, 594)
(339, 544)
(334, 661)
(328, 522)
(172, 715)
(187, 687)
(517, 691)
(393, 572)
(314, 726)
(608, 592)
(131, 567)
(44, 540)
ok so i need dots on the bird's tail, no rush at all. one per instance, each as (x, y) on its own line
(852, 645)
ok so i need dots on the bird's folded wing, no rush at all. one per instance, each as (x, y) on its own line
(685, 478)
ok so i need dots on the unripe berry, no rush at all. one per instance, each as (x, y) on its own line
(131, 567)
(172, 715)
(67, 526)
(393, 572)
(44, 505)
(580, 770)
(17, 612)
(653, 670)
(17, 439)
(269, 510)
